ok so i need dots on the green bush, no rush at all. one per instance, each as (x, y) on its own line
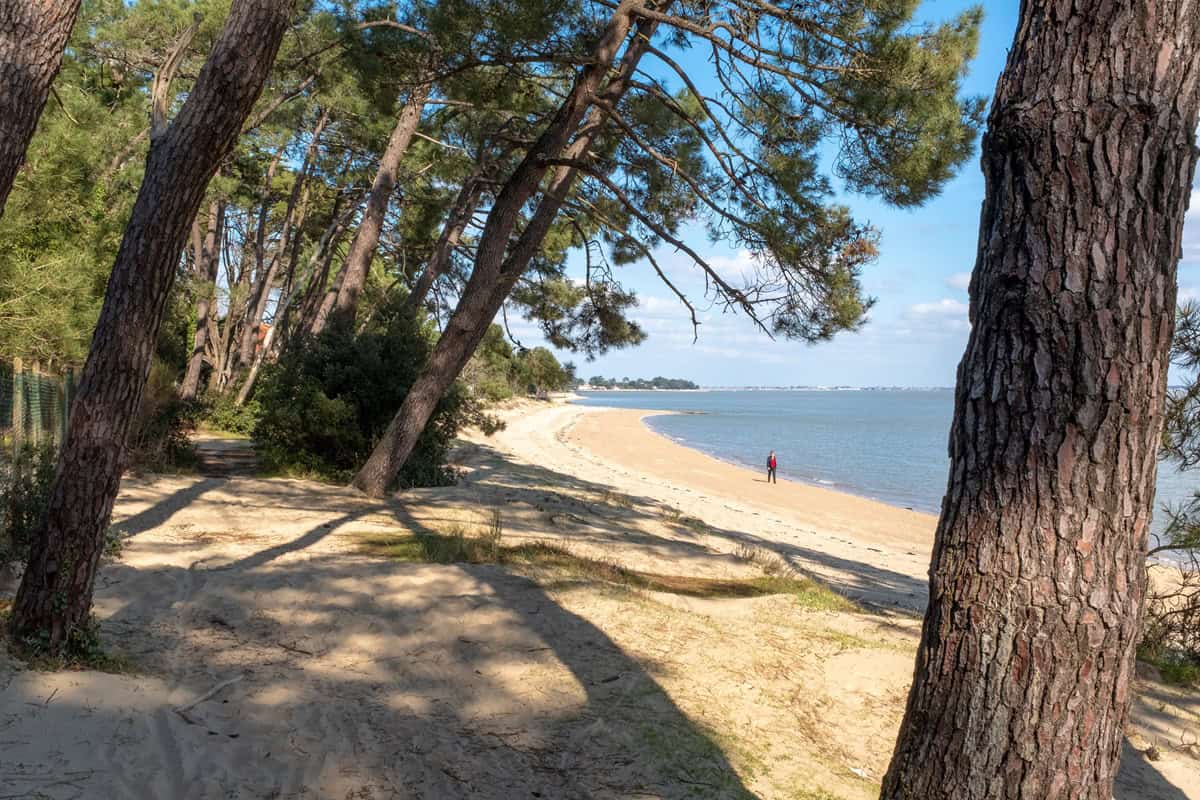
(221, 413)
(327, 401)
(159, 438)
(491, 374)
(24, 496)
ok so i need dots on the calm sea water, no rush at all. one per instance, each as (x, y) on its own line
(886, 445)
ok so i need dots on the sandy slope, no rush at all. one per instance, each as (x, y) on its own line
(355, 677)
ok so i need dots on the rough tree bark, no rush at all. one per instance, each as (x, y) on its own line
(33, 34)
(207, 260)
(366, 241)
(494, 274)
(1023, 675)
(55, 596)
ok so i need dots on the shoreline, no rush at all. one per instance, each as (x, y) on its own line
(868, 550)
(839, 488)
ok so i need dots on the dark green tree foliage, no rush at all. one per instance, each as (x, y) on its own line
(64, 218)
(1181, 435)
(657, 382)
(796, 81)
(497, 371)
(492, 374)
(540, 373)
(327, 399)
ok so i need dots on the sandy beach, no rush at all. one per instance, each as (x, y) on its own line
(269, 655)
(868, 550)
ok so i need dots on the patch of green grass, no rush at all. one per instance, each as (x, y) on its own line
(457, 547)
(689, 753)
(616, 498)
(677, 517)
(845, 641)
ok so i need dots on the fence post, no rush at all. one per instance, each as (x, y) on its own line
(35, 404)
(67, 389)
(18, 405)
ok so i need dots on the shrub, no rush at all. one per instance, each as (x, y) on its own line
(159, 436)
(328, 399)
(221, 413)
(24, 496)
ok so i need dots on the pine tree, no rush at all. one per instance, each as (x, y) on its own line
(1024, 671)
(54, 600)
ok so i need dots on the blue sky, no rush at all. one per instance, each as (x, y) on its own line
(918, 328)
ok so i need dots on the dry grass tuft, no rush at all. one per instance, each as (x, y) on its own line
(676, 517)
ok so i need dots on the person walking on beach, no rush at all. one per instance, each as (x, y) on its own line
(771, 468)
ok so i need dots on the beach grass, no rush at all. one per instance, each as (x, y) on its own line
(457, 545)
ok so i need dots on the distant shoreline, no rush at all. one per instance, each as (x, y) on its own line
(782, 389)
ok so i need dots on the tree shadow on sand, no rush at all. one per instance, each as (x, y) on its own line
(370, 678)
(360, 677)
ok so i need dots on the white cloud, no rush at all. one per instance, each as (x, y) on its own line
(739, 264)
(942, 308)
(959, 280)
(1187, 294)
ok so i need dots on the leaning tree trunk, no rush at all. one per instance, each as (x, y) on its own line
(1023, 676)
(366, 241)
(33, 34)
(258, 283)
(55, 596)
(207, 260)
(291, 219)
(456, 222)
(320, 263)
(495, 274)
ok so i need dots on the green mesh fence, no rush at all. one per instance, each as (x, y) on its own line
(34, 406)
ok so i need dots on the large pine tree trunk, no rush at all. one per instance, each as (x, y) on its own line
(1023, 675)
(207, 260)
(55, 596)
(494, 273)
(33, 34)
(366, 241)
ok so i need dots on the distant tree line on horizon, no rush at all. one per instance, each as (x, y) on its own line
(659, 382)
